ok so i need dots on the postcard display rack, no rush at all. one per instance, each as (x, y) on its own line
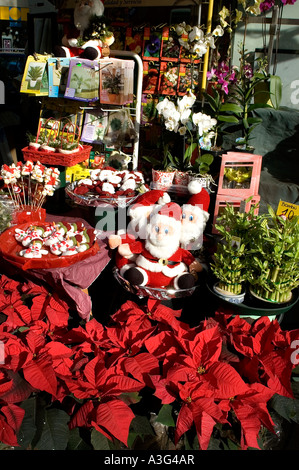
(239, 180)
(60, 82)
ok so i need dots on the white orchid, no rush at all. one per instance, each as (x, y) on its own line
(196, 41)
(196, 34)
(204, 123)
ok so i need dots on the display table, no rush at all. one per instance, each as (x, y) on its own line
(70, 281)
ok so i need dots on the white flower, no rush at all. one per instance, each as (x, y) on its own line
(196, 34)
(210, 41)
(200, 49)
(187, 101)
(184, 115)
(218, 31)
(182, 130)
(204, 123)
(180, 28)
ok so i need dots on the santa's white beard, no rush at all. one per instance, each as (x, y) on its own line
(162, 248)
(192, 233)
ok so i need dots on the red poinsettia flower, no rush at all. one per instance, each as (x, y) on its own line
(11, 417)
(200, 410)
(16, 353)
(251, 410)
(18, 314)
(96, 381)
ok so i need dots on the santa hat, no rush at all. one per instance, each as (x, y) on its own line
(199, 196)
(169, 213)
(145, 200)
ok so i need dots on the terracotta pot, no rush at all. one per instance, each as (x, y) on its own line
(162, 179)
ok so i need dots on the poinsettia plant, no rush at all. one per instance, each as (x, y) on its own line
(80, 385)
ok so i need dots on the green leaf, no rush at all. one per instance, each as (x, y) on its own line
(286, 407)
(28, 428)
(231, 107)
(165, 416)
(207, 158)
(55, 431)
(142, 426)
(275, 91)
(100, 442)
(232, 119)
(76, 442)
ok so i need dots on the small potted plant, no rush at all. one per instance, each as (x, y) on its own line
(274, 257)
(230, 263)
(162, 170)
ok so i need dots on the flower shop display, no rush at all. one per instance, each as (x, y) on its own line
(214, 386)
(28, 185)
(274, 265)
(107, 185)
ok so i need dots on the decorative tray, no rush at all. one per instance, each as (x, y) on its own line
(10, 249)
(92, 200)
(146, 291)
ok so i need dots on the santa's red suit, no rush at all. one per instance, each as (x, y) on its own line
(161, 262)
(160, 272)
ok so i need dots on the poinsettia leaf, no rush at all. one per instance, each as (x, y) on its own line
(100, 442)
(40, 374)
(7, 433)
(118, 384)
(19, 391)
(115, 417)
(28, 427)
(83, 416)
(55, 432)
(226, 381)
(286, 407)
(14, 415)
(184, 422)
(76, 442)
(165, 416)
(141, 426)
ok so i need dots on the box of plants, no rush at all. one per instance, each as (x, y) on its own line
(230, 261)
(273, 273)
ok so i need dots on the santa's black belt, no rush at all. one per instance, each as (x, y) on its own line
(163, 261)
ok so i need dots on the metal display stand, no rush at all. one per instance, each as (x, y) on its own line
(136, 110)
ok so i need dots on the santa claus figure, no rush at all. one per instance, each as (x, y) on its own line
(89, 37)
(194, 217)
(161, 262)
(139, 214)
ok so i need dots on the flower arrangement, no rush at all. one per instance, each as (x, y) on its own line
(179, 118)
(28, 184)
(194, 40)
(211, 385)
(234, 90)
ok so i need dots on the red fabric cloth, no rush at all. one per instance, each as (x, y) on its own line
(68, 280)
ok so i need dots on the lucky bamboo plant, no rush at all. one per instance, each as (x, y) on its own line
(230, 264)
(274, 257)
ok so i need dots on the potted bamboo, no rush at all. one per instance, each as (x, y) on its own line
(230, 262)
(274, 258)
